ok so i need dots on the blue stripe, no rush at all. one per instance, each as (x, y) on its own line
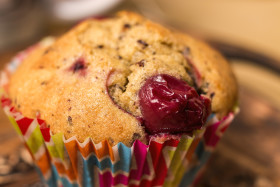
(65, 182)
(122, 165)
(210, 117)
(87, 168)
(54, 178)
(203, 156)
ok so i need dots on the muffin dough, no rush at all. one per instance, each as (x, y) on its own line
(86, 83)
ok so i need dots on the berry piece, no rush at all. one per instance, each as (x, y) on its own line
(170, 105)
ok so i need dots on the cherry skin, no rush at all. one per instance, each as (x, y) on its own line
(169, 105)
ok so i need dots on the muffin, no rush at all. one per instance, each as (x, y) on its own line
(120, 100)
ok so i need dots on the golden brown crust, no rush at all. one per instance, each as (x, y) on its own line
(216, 74)
(129, 48)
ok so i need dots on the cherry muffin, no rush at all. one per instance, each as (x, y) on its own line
(122, 80)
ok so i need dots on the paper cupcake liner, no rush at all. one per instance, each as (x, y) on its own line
(168, 162)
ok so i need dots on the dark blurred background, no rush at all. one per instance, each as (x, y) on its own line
(247, 32)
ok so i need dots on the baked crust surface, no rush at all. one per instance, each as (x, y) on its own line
(80, 82)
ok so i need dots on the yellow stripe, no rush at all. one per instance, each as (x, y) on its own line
(35, 140)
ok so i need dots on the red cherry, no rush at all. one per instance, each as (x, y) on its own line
(170, 105)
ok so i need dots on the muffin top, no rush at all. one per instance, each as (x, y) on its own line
(121, 79)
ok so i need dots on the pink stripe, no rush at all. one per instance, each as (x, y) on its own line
(213, 134)
(107, 180)
(140, 154)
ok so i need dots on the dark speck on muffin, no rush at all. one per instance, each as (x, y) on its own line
(143, 43)
(167, 44)
(186, 52)
(43, 83)
(135, 136)
(79, 66)
(200, 91)
(70, 120)
(127, 26)
(141, 63)
(48, 50)
(212, 95)
(111, 140)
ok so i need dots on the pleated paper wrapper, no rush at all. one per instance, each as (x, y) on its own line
(60, 162)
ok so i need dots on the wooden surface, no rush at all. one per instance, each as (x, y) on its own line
(248, 155)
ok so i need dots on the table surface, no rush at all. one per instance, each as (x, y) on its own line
(248, 155)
